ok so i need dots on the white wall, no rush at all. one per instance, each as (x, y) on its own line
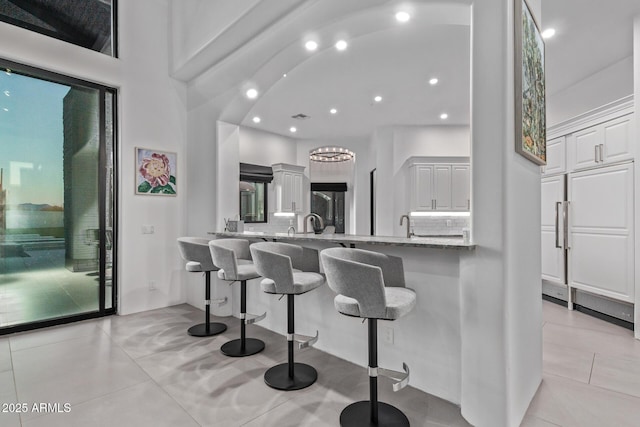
(430, 141)
(603, 87)
(500, 280)
(264, 148)
(152, 113)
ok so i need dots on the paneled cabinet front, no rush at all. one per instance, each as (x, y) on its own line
(608, 142)
(288, 184)
(439, 187)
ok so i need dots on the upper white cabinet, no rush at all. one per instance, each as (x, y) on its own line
(439, 186)
(460, 187)
(288, 187)
(605, 143)
(556, 157)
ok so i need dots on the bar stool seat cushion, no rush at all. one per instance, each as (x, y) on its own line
(399, 301)
(245, 271)
(303, 281)
(193, 266)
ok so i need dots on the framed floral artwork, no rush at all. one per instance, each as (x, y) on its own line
(529, 76)
(156, 172)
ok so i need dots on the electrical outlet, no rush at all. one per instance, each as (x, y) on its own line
(387, 334)
(152, 285)
(147, 229)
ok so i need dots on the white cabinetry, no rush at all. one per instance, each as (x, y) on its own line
(601, 244)
(552, 222)
(439, 186)
(288, 187)
(556, 158)
(604, 143)
(460, 187)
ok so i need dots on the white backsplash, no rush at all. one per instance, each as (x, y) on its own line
(440, 225)
(276, 224)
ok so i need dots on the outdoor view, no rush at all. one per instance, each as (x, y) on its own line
(50, 197)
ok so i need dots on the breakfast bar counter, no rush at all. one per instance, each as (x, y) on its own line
(428, 339)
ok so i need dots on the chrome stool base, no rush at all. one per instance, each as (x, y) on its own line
(359, 415)
(234, 348)
(201, 329)
(278, 377)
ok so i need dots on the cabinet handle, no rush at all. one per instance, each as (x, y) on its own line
(557, 229)
(596, 153)
(565, 217)
(468, 204)
(601, 150)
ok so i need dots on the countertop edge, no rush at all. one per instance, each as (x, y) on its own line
(423, 242)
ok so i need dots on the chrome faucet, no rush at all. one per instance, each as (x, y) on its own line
(314, 218)
(409, 233)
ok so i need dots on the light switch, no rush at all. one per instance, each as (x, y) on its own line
(147, 229)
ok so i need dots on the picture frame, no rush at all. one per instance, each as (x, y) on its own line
(156, 172)
(529, 76)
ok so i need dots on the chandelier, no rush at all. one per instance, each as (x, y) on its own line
(331, 154)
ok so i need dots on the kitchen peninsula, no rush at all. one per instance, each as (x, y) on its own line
(428, 340)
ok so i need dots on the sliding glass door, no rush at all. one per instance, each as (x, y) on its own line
(57, 198)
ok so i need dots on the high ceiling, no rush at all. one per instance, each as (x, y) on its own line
(590, 36)
(396, 62)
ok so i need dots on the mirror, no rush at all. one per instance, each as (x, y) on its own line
(388, 92)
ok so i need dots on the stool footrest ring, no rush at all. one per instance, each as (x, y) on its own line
(401, 378)
(303, 341)
(254, 318)
(219, 301)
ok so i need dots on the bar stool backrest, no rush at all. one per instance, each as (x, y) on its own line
(274, 260)
(362, 275)
(196, 249)
(226, 253)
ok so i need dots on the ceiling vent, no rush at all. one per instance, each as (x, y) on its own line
(300, 116)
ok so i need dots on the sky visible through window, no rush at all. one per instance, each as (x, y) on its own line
(31, 139)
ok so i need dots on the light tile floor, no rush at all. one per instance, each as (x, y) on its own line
(144, 370)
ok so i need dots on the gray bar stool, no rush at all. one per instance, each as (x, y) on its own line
(234, 259)
(195, 251)
(370, 285)
(280, 265)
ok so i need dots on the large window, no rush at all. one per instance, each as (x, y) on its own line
(57, 196)
(87, 23)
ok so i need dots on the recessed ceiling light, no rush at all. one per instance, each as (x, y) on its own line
(252, 93)
(256, 119)
(341, 45)
(402, 16)
(333, 111)
(548, 33)
(444, 116)
(284, 75)
(377, 98)
(433, 81)
(5, 109)
(292, 129)
(311, 45)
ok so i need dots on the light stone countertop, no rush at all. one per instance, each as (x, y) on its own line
(350, 239)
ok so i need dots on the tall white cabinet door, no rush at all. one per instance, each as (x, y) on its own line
(552, 245)
(422, 185)
(617, 144)
(585, 144)
(601, 255)
(286, 202)
(460, 187)
(442, 187)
